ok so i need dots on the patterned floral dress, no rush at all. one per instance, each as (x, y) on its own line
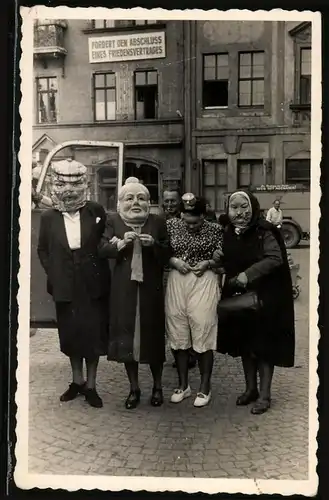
(191, 301)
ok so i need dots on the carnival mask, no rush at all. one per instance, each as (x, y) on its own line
(134, 201)
(69, 185)
(239, 210)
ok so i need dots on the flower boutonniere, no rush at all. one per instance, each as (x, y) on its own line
(97, 220)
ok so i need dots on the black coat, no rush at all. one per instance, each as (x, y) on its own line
(56, 257)
(124, 293)
(260, 252)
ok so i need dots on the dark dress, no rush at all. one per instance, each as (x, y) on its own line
(125, 292)
(260, 252)
(78, 280)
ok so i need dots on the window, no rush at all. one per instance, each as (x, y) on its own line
(147, 174)
(215, 80)
(250, 173)
(125, 23)
(103, 23)
(106, 186)
(305, 75)
(104, 96)
(215, 183)
(47, 106)
(251, 79)
(298, 172)
(146, 95)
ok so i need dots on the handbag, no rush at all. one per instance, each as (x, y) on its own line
(239, 303)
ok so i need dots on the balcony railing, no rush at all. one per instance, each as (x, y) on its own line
(49, 38)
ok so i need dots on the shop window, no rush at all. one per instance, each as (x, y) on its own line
(250, 173)
(146, 95)
(104, 96)
(251, 79)
(215, 182)
(215, 80)
(147, 174)
(298, 172)
(47, 100)
(305, 75)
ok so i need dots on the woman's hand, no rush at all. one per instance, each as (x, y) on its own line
(242, 280)
(146, 239)
(129, 237)
(217, 255)
(181, 266)
(201, 268)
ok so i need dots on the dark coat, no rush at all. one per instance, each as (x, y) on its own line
(57, 260)
(260, 252)
(124, 293)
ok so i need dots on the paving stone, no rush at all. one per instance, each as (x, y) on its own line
(221, 440)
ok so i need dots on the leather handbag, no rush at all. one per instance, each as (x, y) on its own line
(239, 303)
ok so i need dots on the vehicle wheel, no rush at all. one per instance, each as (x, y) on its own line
(291, 235)
(295, 292)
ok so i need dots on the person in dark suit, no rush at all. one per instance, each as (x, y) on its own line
(77, 278)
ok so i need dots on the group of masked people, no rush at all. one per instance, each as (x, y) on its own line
(127, 283)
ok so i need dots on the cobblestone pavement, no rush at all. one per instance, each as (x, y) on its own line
(221, 440)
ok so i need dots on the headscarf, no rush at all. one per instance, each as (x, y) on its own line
(68, 185)
(133, 185)
(239, 227)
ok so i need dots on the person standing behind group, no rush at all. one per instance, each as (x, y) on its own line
(275, 215)
(77, 279)
(171, 209)
(255, 259)
(138, 241)
(192, 295)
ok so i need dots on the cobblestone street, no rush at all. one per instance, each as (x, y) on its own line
(219, 441)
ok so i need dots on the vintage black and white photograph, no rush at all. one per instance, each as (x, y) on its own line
(168, 294)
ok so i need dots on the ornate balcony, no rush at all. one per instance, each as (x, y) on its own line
(49, 39)
(301, 114)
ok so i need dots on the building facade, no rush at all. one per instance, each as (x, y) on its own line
(207, 106)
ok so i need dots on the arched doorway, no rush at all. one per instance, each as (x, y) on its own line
(105, 184)
(147, 173)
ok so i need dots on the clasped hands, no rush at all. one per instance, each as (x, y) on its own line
(146, 239)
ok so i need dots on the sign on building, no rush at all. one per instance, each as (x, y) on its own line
(127, 47)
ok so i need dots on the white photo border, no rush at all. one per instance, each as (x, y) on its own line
(25, 480)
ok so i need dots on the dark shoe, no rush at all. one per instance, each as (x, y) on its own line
(261, 406)
(133, 399)
(93, 399)
(72, 392)
(247, 398)
(157, 397)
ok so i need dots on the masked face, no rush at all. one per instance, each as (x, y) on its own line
(240, 212)
(69, 193)
(134, 205)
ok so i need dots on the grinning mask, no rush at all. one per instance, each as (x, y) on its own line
(69, 185)
(134, 201)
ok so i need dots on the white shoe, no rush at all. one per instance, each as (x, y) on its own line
(202, 399)
(179, 394)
